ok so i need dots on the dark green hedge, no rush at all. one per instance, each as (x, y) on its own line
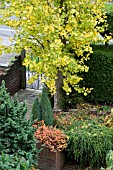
(100, 75)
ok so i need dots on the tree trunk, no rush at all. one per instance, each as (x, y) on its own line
(59, 81)
(58, 94)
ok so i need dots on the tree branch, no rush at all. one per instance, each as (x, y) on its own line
(37, 41)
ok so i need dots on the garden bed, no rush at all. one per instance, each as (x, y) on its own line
(86, 128)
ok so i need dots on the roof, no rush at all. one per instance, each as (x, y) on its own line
(5, 59)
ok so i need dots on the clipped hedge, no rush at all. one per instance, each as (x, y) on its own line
(100, 75)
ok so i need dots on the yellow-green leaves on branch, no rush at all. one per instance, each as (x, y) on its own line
(58, 33)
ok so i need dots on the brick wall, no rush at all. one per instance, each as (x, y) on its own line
(14, 75)
(50, 160)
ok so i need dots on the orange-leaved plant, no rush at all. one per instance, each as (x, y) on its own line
(52, 137)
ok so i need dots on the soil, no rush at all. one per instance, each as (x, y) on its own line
(70, 167)
(74, 166)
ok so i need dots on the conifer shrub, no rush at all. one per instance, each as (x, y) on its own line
(16, 132)
(36, 110)
(46, 109)
(42, 109)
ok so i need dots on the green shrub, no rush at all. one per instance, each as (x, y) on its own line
(42, 109)
(36, 110)
(109, 161)
(89, 142)
(46, 109)
(16, 132)
(13, 162)
(100, 75)
(69, 101)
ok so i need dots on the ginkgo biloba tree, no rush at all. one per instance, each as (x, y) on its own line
(58, 34)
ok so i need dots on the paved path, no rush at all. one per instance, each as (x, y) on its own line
(29, 96)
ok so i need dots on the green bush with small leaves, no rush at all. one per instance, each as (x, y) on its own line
(16, 132)
(14, 162)
(100, 75)
(109, 161)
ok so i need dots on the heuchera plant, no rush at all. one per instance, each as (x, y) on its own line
(52, 137)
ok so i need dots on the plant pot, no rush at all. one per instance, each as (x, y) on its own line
(50, 160)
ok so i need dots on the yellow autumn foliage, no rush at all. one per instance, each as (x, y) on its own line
(51, 29)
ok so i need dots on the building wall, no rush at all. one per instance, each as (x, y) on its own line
(14, 75)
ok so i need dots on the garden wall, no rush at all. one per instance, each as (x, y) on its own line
(14, 75)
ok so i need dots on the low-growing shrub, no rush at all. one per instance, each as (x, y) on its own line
(89, 142)
(52, 137)
(109, 161)
(64, 120)
(14, 162)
